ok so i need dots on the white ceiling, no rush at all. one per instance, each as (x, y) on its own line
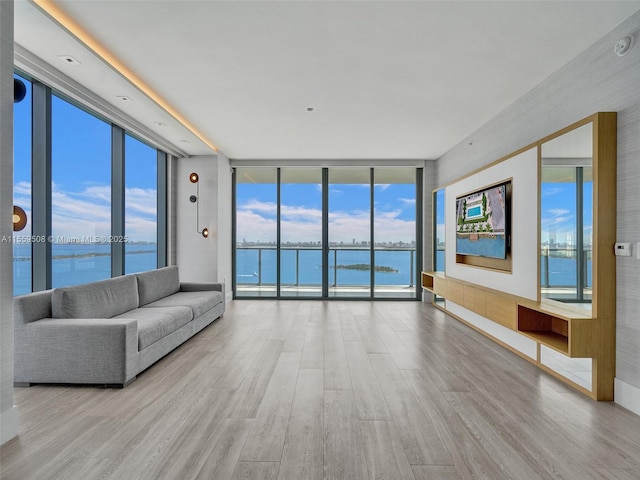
(387, 80)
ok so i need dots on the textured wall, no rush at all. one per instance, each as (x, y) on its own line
(196, 256)
(7, 412)
(596, 80)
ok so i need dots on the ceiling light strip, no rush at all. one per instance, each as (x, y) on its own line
(55, 12)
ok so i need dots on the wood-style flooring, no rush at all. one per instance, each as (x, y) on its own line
(326, 390)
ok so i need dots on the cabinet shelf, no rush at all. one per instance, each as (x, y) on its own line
(565, 331)
(559, 327)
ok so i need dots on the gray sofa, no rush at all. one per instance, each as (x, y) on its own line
(109, 331)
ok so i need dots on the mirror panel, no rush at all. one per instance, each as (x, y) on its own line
(566, 206)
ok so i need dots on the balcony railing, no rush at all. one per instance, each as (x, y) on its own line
(262, 267)
(558, 267)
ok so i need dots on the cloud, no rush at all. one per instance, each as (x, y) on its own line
(407, 201)
(550, 191)
(87, 213)
(256, 223)
(557, 212)
(141, 201)
(22, 188)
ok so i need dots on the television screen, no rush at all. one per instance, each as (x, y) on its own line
(482, 220)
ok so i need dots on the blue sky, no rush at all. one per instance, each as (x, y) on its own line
(301, 212)
(81, 174)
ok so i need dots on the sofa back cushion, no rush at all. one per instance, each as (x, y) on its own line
(156, 284)
(104, 299)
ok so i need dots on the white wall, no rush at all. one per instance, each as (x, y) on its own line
(224, 201)
(596, 80)
(522, 280)
(203, 259)
(8, 413)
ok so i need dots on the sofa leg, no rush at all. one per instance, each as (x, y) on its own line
(119, 385)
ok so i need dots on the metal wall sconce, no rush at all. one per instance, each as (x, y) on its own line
(193, 178)
(19, 90)
(19, 219)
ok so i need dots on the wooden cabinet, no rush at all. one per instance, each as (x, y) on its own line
(562, 329)
(588, 149)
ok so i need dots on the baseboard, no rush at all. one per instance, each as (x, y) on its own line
(8, 425)
(627, 396)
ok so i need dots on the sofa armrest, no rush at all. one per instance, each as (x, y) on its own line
(202, 286)
(77, 350)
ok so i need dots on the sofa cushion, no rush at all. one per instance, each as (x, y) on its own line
(156, 284)
(103, 299)
(199, 302)
(155, 323)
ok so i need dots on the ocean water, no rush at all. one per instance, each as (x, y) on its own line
(253, 267)
(493, 247)
(562, 271)
(73, 264)
(76, 264)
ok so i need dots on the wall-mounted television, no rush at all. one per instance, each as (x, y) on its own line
(483, 221)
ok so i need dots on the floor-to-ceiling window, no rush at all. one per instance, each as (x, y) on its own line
(439, 231)
(64, 156)
(256, 230)
(140, 208)
(22, 188)
(350, 232)
(334, 232)
(81, 195)
(301, 232)
(394, 232)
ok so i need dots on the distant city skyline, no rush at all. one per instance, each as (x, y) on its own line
(349, 215)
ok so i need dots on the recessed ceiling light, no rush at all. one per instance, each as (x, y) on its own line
(68, 59)
(124, 98)
(310, 109)
(159, 124)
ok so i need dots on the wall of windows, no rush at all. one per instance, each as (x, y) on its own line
(91, 194)
(22, 189)
(338, 232)
(256, 230)
(394, 230)
(80, 195)
(349, 232)
(140, 206)
(439, 231)
(301, 232)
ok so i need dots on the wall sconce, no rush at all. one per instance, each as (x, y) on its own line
(193, 178)
(19, 90)
(19, 219)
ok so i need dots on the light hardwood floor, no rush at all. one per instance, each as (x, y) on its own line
(335, 390)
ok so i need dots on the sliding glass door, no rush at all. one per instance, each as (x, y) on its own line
(327, 232)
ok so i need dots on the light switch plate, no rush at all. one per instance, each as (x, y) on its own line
(623, 249)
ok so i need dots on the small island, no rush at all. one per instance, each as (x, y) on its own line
(364, 266)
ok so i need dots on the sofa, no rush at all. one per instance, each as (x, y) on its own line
(107, 332)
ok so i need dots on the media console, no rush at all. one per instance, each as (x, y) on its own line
(561, 328)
